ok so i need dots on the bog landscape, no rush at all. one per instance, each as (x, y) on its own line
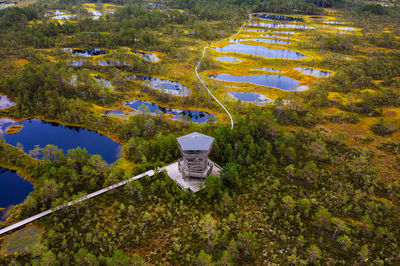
(199, 132)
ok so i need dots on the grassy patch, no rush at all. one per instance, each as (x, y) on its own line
(21, 241)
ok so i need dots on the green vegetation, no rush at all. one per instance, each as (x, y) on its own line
(21, 241)
(311, 178)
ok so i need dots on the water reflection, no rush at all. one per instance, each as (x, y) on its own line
(147, 56)
(259, 40)
(274, 31)
(267, 69)
(13, 189)
(42, 133)
(259, 51)
(273, 25)
(277, 81)
(104, 83)
(267, 36)
(313, 72)
(116, 63)
(5, 102)
(278, 17)
(4, 5)
(228, 59)
(346, 28)
(249, 97)
(177, 114)
(86, 52)
(163, 85)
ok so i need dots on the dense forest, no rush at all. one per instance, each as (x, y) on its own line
(310, 178)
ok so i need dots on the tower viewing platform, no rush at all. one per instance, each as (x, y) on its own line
(194, 166)
(195, 148)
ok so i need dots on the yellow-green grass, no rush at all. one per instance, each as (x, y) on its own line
(356, 133)
(21, 241)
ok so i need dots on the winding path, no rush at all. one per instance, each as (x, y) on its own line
(202, 81)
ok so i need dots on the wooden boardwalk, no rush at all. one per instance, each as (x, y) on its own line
(202, 81)
(91, 195)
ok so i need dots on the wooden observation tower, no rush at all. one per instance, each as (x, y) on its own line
(195, 148)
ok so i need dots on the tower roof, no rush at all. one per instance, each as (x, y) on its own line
(195, 142)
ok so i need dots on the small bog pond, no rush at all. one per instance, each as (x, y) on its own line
(266, 36)
(228, 59)
(267, 69)
(64, 17)
(86, 52)
(346, 28)
(116, 63)
(178, 114)
(42, 133)
(75, 63)
(274, 31)
(273, 25)
(259, 40)
(101, 82)
(4, 5)
(59, 14)
(278, 17)
(277, 81)
(163, 85)
(95, 14)
(5, 102)
(313, 72)
(54, 13)
(104, 83)
(249, 97)
(13, 189)
(257, 50)
(149, 57)
(332, 22)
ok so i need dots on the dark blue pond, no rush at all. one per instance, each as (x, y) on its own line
(194, 115)
(278, 17)
(13, 189)
(86, 52)
(277, 81)
(249, 97)
(38, 132)
(257, 50)
(259, 40)
(273, 25)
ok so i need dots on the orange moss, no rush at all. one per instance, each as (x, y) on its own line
(354, 222)
(14, 129)
(22, 62)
